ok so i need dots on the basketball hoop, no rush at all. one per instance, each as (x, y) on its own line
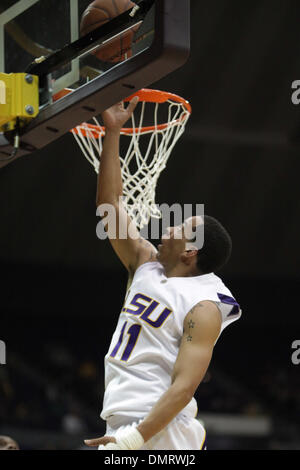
(148, 148)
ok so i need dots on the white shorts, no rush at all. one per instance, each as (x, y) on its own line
(181, 434)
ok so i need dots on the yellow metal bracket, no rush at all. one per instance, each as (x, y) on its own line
(19, 98)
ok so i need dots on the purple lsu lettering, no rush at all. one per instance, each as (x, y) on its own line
(143, 312)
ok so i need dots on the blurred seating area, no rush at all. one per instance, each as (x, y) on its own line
(56, 387)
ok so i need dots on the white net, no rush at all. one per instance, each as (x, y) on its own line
(147, 151)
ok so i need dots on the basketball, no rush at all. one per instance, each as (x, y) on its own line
(100, 12)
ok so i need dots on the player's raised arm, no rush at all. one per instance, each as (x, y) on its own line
(132, 249)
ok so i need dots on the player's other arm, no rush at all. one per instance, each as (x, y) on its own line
(131, 248)
(201, 329)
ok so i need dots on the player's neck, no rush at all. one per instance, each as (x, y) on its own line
(181, 270)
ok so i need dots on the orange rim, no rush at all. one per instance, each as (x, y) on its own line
(87, 129)
(157, 96)
(145, 95)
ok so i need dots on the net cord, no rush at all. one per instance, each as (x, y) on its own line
(140, 172)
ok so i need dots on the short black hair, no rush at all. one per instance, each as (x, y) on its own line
(217, 247)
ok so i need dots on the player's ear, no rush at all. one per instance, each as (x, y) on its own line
(188, 256)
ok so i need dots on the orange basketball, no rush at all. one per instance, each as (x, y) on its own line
(100, 12)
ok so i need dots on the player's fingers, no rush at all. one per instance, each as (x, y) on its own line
(93, 442)
(132, 105)
(99, 441)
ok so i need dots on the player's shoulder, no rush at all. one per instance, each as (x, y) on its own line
(204, 309)
(217, 283)
(205, 320)
(213, 288)
(211, 278)
(151, 265)
(206, 286)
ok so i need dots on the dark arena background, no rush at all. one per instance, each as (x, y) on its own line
(62, 289)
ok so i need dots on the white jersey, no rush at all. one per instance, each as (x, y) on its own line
(145, 345)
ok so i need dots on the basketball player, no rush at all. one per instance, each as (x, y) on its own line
(173, 314)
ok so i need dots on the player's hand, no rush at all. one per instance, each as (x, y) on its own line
(115, 117)
(100, 441)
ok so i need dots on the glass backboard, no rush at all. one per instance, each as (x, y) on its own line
(30, 29)
(43, 37)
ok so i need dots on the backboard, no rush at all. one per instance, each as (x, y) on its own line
(49, 30)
